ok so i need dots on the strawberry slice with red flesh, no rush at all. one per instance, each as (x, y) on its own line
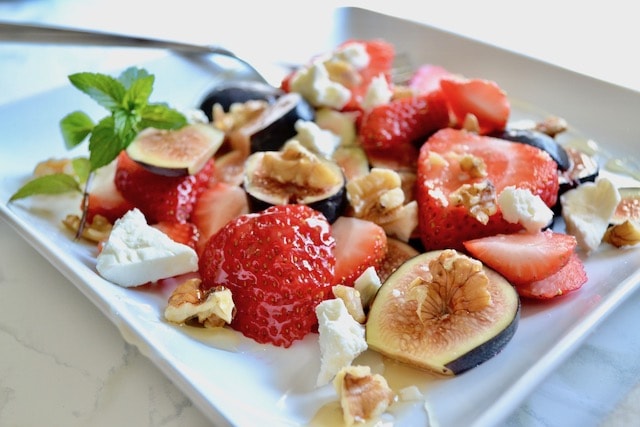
(360, 244)
(104, 198)
(523, 258)
(279, 265)
(218, 204)
(482, 98)
(159, 197)
(444, 224)
(569, 278)
(396, 129)
(180, 232)
(427, 78)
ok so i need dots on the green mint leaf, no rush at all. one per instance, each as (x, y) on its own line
(104, 89)
(104, 144)
(138, 93)
(82, 168)
(161, 116)
(131, 74)
(75, 128)
(125, 124)
(53, 184)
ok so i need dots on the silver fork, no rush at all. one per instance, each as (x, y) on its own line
(269, 73)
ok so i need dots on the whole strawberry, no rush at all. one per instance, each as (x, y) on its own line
(394, 131)
(279, 264)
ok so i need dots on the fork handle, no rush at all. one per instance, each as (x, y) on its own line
(30, 33)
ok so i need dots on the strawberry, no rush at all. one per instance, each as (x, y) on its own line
(360, 244)
(523, 258)
(218, 204)
(427, 78)
(445, 225)
(159, 197)
(104, 198)
(482, 98)
(181, 232)
(392, 130)
(569, 278)
(279, 265)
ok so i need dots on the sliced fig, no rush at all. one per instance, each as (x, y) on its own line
(540, 140)
(352, 159)
(176, 152)
(274, 126)
(628, 207)
(294, 174)
(583, 168)
(237, 92)
(398, 252)
(444, 312)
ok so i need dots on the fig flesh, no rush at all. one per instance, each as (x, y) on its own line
(444, 312)
(294, 174)
(176, 152)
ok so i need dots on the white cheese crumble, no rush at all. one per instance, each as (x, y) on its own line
(314, 84)
(353, 53)
(136, 253)
(316, 139)
(587, 209)
(341, 338)
(519, 205)
(378, 93)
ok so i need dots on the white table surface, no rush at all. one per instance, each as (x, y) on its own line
(63, 363)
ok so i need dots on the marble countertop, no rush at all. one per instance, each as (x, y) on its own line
(63, 363)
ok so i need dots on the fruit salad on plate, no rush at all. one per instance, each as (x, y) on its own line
(412, 219)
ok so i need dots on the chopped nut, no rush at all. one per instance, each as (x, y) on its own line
(52, 166)
(363, 396)
(479, 199)
(343, 72)
(458, 284)
(473, 166)
(95, 231)
(624, 234)
(296, 165)
(212, 308)
(351, 298)
(552, 126)
(239, 114)
(471, 123)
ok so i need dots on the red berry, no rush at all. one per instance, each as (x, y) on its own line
(444, 225)
(159, 197)
(181, 232)
(279, 265)
(360, 244)
(569, 278)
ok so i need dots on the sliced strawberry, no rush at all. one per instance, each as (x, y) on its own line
(217, 205)
(427, 78)
(396, 129)
(160, 198)
(482, 98)
(104, 198)
(279, 265)
(569, 278)
(181, 232)
(444, 225)
(523, 258)
(360, 244)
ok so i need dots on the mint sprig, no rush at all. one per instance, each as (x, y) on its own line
(126, 98)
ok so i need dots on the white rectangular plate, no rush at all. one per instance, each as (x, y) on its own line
(249, 384)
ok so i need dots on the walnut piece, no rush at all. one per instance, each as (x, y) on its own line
(341, 71)
(213, 308)
(380, 197)
(363, 396)
(53, 166)
(352, 300)
(624, 234)
(457, 284)
(238, 115)
(95, 231)
(473, 166)
(479, 199)
(552, 126)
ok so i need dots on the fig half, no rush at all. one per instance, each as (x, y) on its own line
(444, 312)
(176, 152)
